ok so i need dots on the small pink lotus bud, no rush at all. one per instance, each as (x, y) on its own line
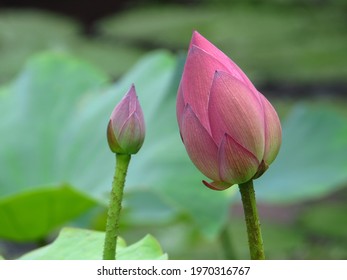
(126, 128)
(230, 130)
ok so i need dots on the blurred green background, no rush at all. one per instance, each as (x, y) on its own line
(64, 66)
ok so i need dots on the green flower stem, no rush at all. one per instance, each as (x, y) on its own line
(115, 206)
(255, 241)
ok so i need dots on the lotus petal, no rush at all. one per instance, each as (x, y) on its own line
(199, 144)
(236, 164)
(197, 80)
(273, 132)
(232, 68)
(234, 110)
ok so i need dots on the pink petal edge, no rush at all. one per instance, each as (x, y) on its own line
(199, 144)
(180, 104)
(216, 186)
(273, 132)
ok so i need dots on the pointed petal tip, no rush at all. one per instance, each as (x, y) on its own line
(196, 35)
(199, 41)
(218, 74)
(188, 110)
(216, 186)
(227, 78)
(132, 91)
(188, 107)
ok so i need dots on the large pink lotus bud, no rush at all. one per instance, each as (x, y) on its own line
(126, 128)
(230, 130)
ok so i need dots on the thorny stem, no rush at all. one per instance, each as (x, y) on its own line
(115, 206)
(255, 240)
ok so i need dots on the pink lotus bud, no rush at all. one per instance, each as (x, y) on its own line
(230, 130)
(126, 128)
